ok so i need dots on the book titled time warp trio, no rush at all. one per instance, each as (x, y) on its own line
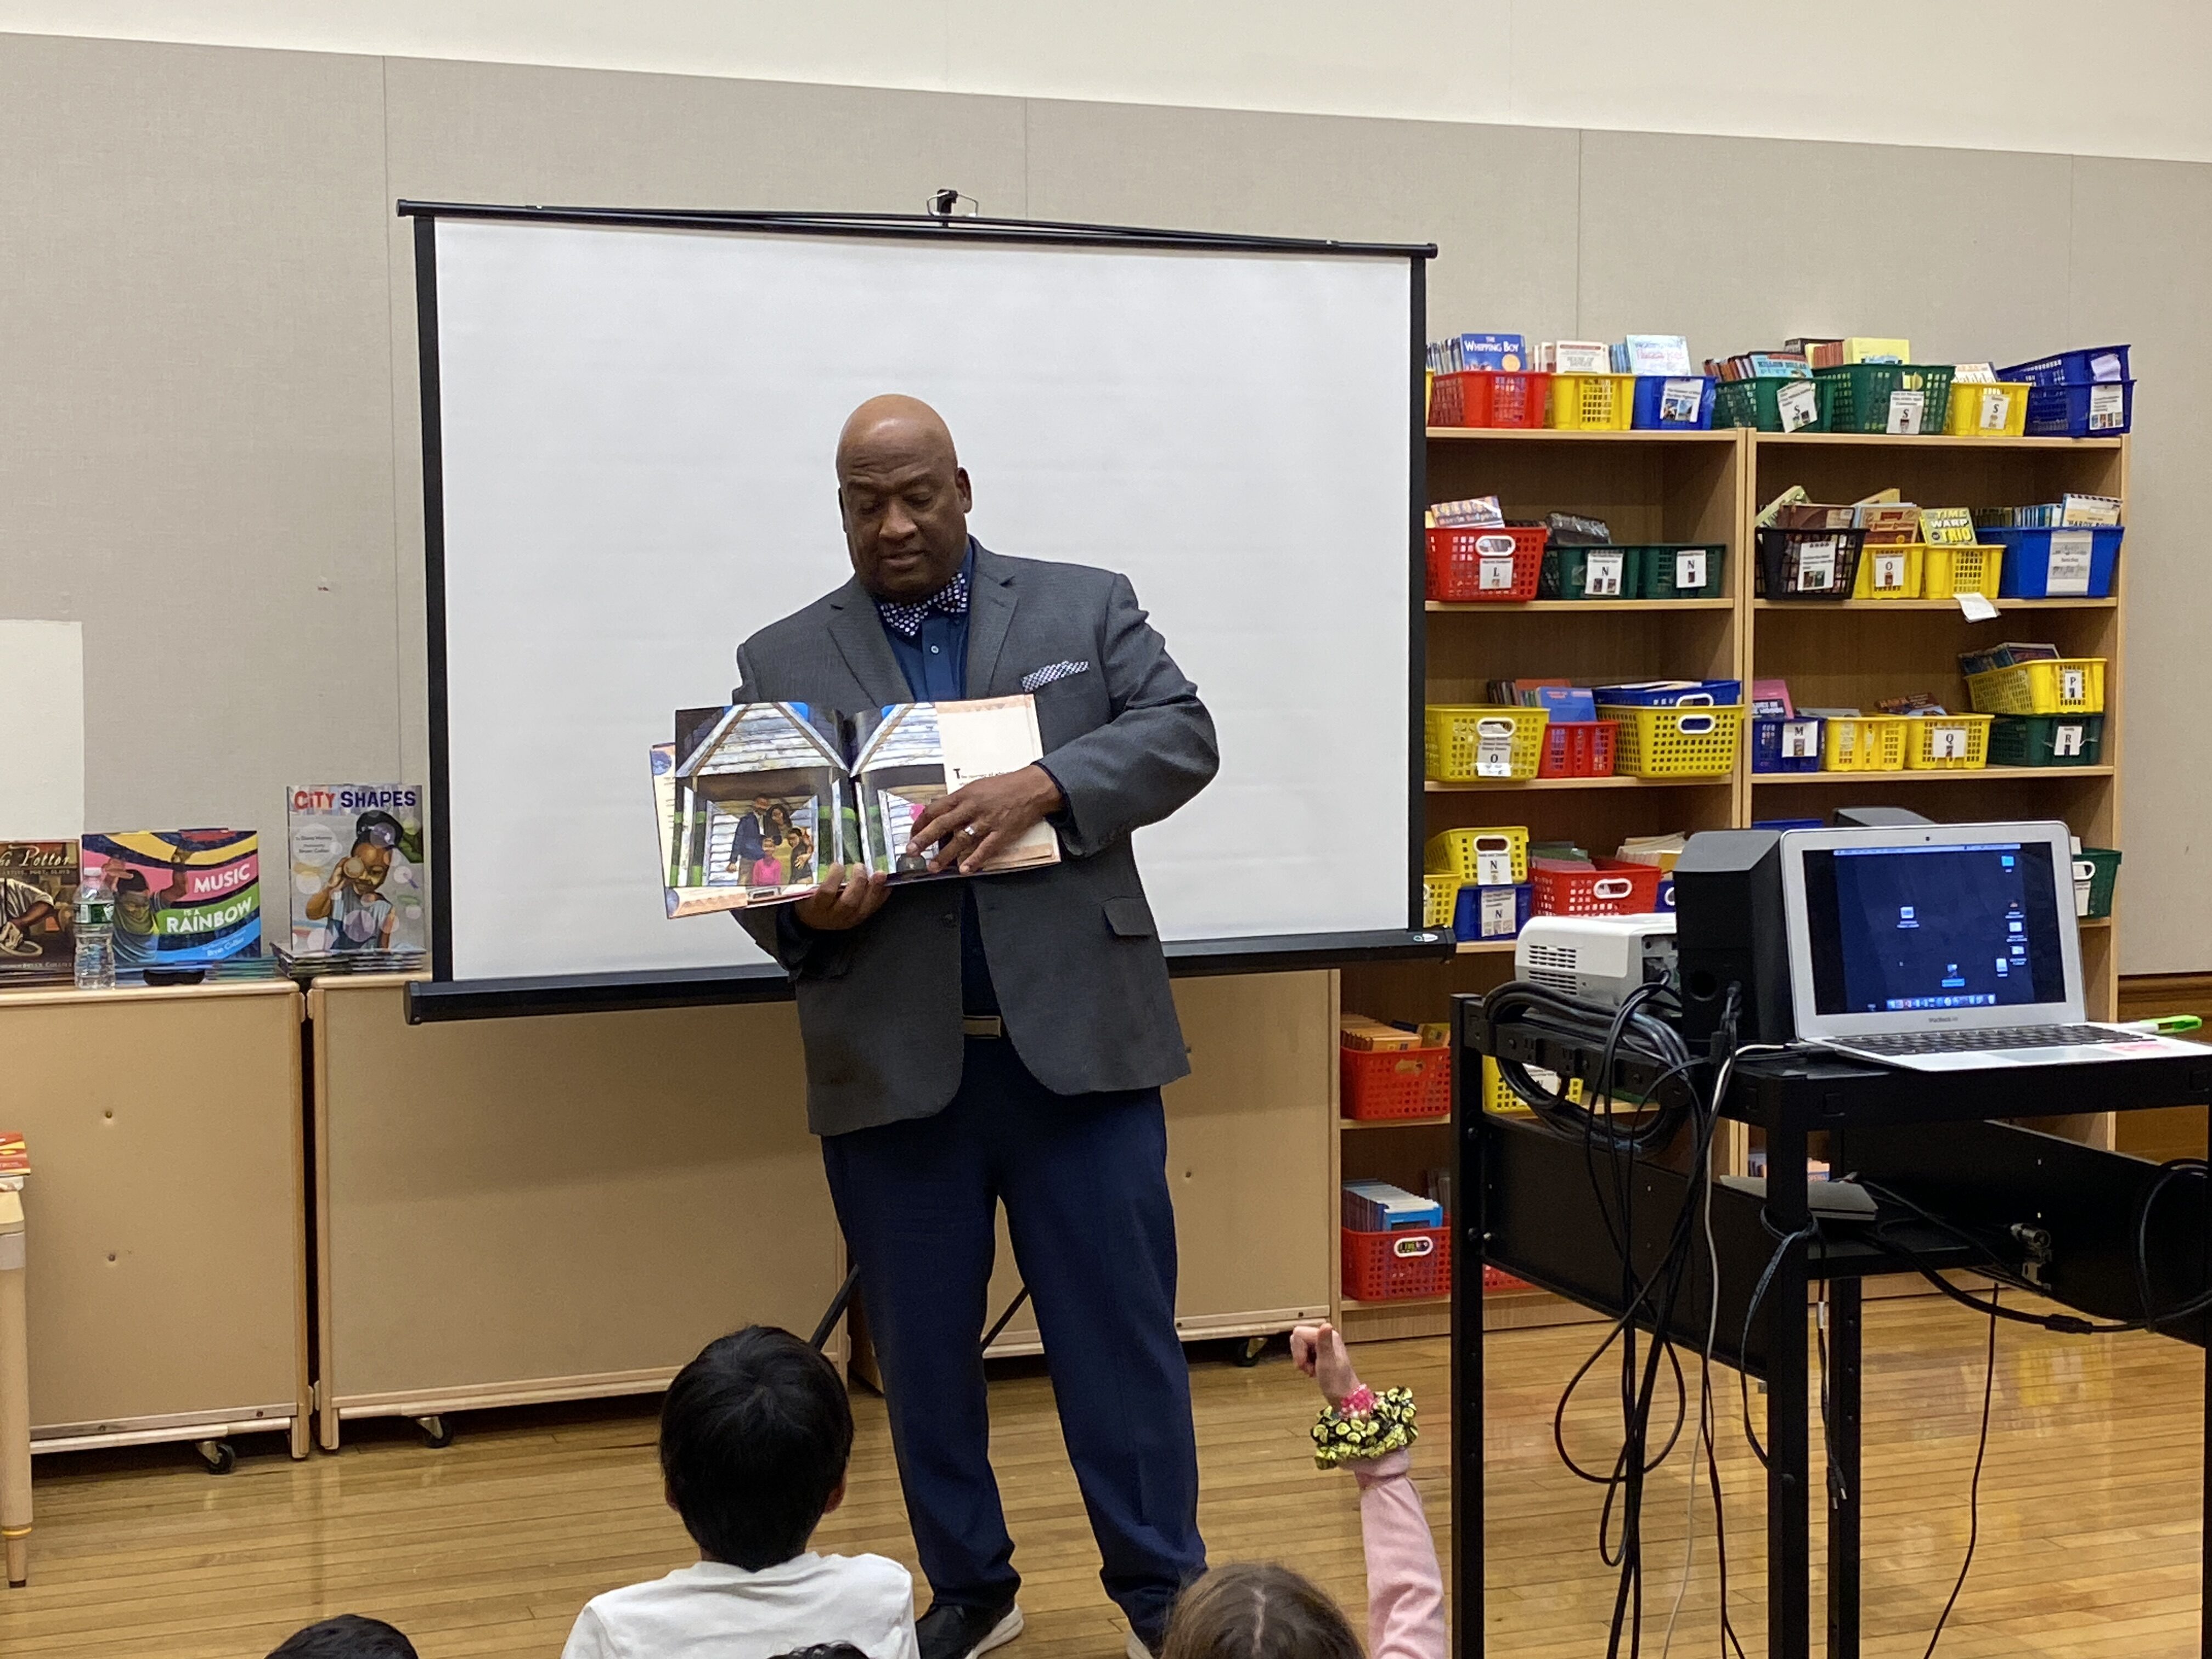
(756, 799)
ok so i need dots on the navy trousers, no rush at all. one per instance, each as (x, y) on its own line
(1083, 1181)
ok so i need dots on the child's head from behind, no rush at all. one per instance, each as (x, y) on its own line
(1256, 1610)
(754, 1438)
(349, 1635)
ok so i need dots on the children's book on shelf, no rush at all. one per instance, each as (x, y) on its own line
(184, 898)
(1946, 526)
(1581, 357)
(14, 1161)
(1498, 353)
(38, 910)
(357, 881)
(1865, 350)
(1770, 700)
(1819, 353)
(754, 800)
(1481, 512)
(1890, 523)
(1652, 354)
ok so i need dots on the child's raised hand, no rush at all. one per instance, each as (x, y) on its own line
(1319, 1351)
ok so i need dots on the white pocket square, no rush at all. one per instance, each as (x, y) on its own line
(1046, 676)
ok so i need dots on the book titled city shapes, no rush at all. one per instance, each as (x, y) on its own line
(38, 910)
(355, 872)
(183, 898)
(756, 800)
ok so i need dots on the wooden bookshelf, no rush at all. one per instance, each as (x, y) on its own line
(1700, 486)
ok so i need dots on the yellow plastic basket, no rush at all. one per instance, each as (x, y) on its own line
(1951, 571)
(1455, 731)
(1694, 741)
(1458, 856)
(1862, 743)
(1892, 571)
(1593, 402)
(1986, 409)
(1947, 743)
(1440, 894)
(2062, 685)
(1497, 1098)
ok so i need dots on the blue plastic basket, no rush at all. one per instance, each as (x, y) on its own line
(1766, 755)
(1666, 893)
(2082, 367)
(2024, 572)
(1467, 912)
(1674, 403)
(2104, 409)
(1720, 693)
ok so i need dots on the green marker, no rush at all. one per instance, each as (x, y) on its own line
(2168, 1025)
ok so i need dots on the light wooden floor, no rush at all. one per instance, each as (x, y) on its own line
(2089, 1536)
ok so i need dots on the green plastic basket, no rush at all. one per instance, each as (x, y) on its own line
(1661, 565)
(2046, 739)
(2105, 872)
(1755, 403)
(1566, 573)
(1857, 395)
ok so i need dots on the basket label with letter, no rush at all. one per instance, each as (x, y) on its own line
(1414, 1246)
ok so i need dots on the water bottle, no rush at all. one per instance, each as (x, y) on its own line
(95, 939)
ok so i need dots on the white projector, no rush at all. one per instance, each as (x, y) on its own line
(1596, 958)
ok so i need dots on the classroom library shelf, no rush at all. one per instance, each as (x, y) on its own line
(1707, 486)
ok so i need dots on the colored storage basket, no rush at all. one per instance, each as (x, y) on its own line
(1474, 564)
(1477, 857)
(1765, 405)
(2046, 739)
(1674, 403)
(1951, 571)
(1890, 570)
(1593, 402)
(1808, 564)
(1491, 913)
(2086, 366)
(1440, 894)
(1497, 1098)
(1862, 743)
(1704, 692)
(1691, 741)
(1481, 398)
(1576, 749)
(2062, 685)
(1375, 1086)
(1591, 573)
(1396, 1266)
(2103, 410)
(1987, 409)
(1878, 396)
(2096, 871)
(2059, 563)
(1469, 743)
(1785, 745)
(1607, 887)
(1947, 743)
(1682, 570)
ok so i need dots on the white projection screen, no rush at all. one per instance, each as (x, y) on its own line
(629, 421)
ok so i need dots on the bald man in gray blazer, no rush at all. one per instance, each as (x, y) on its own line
(1002, 1040)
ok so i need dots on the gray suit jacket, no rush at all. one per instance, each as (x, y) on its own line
(1074, 955)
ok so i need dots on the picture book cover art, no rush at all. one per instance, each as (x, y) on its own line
(183, 897)
(38, 910)
(754, 800)
(357, 877)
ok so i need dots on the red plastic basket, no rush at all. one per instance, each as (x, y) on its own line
(1394, 1267)
(1474, 563)
(1481, 397)
(1497, 1278)
(1612, 887)
(1576, 749)
(1400, 1082)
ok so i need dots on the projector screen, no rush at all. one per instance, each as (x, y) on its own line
(628, 431)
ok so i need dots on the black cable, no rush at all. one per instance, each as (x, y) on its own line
(1974, 1486)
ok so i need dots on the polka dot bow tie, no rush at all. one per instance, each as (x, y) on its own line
(906, 620)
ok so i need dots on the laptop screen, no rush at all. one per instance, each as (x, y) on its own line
(1901, 929)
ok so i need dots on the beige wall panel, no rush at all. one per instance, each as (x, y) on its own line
(2141, 244)
(488, 132)
(1739, 243)
(163, 1211)
(1498, 202)
(1250, 1131)
(524, 1200)
(194, 428)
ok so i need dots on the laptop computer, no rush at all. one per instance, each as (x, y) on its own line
(1943, 947)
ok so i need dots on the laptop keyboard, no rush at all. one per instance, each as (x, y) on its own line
(2001, 1036)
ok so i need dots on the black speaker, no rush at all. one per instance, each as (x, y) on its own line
(1729, 931)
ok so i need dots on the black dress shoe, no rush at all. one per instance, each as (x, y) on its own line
(947, 1631)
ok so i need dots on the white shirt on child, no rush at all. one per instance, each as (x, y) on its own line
(714, 1610)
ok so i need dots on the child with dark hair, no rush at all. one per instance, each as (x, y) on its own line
(1256, 1610)
(352, 901)
(755, 1435)
(349, 1635)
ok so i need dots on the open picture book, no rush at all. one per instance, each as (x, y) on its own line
(756, 800)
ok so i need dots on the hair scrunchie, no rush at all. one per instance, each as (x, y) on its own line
(1354, 1437)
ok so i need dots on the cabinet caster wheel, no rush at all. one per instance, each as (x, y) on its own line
(220, 1456)
(1246, 1354)
(437, 1433)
